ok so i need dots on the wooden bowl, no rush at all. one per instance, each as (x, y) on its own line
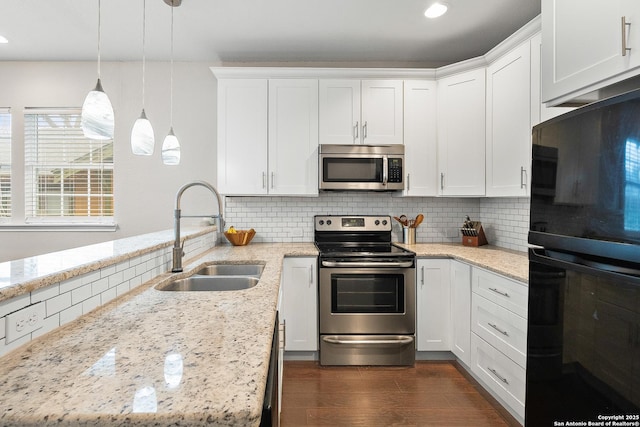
(240, 237)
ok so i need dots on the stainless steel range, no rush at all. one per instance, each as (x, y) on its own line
(367, 293)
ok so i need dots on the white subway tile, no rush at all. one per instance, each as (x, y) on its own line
(70, 314)
(116, 278)
(14, 304)
(99, 286)
(43, 294)
(71, 284)
(108, 295)
(122, 289)
(80, 294)
(107, 271)
(57, 304)
(90, 304)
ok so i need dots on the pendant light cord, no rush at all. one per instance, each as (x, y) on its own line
(171, 81)
(144, 32)
(99, 23)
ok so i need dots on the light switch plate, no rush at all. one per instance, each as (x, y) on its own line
(24, 321)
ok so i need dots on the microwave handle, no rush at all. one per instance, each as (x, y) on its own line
(385, 170)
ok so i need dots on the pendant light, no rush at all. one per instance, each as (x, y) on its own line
(142, 138)
(97, 112)
(171, 145)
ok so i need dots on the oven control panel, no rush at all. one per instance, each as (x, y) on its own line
(352, 223)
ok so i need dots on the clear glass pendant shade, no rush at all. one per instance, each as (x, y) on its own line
(171, 149)
(142, 138)
(97, 115)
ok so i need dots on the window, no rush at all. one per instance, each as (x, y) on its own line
(632, 186)
(5, 163)
(68, 178)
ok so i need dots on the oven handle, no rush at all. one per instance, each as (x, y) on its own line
(399, 341)
(404, 264)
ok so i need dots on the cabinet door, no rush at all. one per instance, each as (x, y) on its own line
(242, 136)
(509, 124)
(461, 134)
(582, 45)
(381, 112)
(339, 102)
(300, 304)
(539, 111)
(293, 137)
(461, 311)
(433, 299)
(420, 138)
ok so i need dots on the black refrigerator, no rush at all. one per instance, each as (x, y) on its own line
(583, 337)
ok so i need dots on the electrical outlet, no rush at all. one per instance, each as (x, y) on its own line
(24, 321)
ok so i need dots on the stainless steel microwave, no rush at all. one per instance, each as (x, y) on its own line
(361, 167)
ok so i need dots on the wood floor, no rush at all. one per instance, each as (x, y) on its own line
(428, 394)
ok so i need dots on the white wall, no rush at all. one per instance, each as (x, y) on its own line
(144, 188)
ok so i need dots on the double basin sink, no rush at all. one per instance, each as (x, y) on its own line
(218, 277)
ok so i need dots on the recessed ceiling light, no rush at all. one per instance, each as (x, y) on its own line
(3, 40)
(436, 10)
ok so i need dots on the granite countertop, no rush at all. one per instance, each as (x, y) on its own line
(179, 358)
(182, 358)
(512, 264)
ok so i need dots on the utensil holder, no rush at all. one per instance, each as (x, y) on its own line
(409, 235)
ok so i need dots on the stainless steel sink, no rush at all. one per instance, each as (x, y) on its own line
(210, 283)
(232, 270)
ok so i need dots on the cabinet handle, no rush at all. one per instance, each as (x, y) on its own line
(273, 178)
(523, 177)
(442, 181)
(356, 129)
(264, 180)
(500, 377)
(504, 294)
(422, 275)
(311, 274)
(624, 26)
(408, 182)
(364, 131)
(494, 326)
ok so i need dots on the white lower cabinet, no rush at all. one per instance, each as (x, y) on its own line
(504, 377)
(300, 303)
(499, 336)
(433, 305)
(461, 311)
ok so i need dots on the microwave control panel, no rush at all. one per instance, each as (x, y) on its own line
(395, 169)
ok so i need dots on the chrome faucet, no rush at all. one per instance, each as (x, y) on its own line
(178, 251)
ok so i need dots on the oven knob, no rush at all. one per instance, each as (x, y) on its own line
(384, 222)
(328, 222)
(321, 222)
(377, 222)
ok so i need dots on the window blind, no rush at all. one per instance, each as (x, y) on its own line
(5, 163)
(68, 177)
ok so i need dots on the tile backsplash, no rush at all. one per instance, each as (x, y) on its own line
(289, 219)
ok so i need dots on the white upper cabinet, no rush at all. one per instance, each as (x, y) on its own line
(268, 136)
(293, 137)
(360, 111)
(340, 111)
(420, 138)
(586, 46)
(461, 134)
(242, 136)
(509, 124)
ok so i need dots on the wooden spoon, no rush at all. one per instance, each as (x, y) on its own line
(418, 221)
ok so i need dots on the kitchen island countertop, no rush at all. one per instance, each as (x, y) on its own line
(181, 358)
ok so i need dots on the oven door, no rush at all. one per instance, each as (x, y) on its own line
(367, 300)
(367, 315)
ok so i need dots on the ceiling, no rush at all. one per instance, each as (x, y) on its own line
(376, 32)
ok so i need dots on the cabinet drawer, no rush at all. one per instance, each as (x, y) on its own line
(505, 292)
(505, 378)
(501, 328)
